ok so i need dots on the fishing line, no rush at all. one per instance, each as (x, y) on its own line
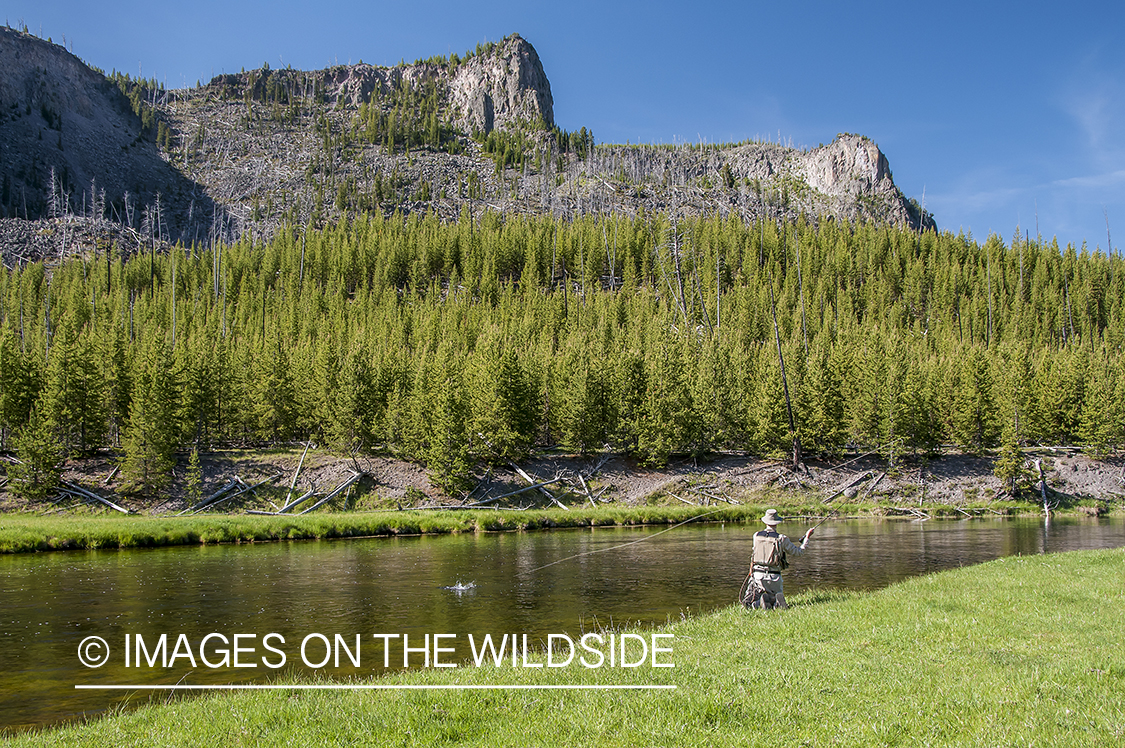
(631, 542)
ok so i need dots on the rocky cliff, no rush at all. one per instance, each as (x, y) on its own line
(252, 151)
(502, 89)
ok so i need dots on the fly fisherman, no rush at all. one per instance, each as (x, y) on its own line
(763, 587)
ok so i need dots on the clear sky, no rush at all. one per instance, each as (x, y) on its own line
(1000, 113)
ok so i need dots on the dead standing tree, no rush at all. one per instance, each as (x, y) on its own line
(797, 459)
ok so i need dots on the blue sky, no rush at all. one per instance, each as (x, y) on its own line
(999, 112)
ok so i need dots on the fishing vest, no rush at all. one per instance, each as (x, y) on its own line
(768, 550)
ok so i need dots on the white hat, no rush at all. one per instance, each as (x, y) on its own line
(771, 517)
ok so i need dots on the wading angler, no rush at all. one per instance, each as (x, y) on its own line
(763, 586)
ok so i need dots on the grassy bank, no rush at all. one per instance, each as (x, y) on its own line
(25, 533)
(1019, 651)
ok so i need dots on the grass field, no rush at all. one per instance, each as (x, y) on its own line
(1023, 651)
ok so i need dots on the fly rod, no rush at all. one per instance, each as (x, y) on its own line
(631, 542)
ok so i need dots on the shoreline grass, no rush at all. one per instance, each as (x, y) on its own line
(29, 533)
(1017, 651)
(26, 533)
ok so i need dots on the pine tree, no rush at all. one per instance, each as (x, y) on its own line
(503, 404)
(72, 397)
(37, 475)
(1010, 466)
(667, 412)
(273, 404)
(19, 385)
(974, 413)
(447, 455)
(822, 394)
(1101, 426)
(193, 479)
(150, 436)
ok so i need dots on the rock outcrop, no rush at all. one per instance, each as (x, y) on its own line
(502, 88)
(250, 152)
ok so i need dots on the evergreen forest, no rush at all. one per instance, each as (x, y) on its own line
(458, 344)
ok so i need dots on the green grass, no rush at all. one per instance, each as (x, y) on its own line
(1016, 652)
(25, 533)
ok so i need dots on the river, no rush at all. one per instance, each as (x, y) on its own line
(50, 602)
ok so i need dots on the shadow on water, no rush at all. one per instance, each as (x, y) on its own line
(51, 602)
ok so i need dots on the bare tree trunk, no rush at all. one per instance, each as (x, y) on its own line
(785, 384)
(1043, 488)
(801, 291)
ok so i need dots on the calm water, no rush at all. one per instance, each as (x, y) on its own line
(51, 602)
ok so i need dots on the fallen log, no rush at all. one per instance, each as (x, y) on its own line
(522, 474)
(720, 497)
(229, 485)
(597, 468)
(91, 495)
(871, 488)
(586, 489)
(525, 489)
(297, 472)
(334, 493)
(854, 483)
(541, 490)
(243, 492)
(487, 477)
(295, 502)
(1043, 487)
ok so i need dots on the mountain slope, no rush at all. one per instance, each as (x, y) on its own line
(249, 152)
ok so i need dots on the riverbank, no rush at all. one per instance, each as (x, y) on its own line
(1019, 651)
(395, 497)
(28, 533)
(937, 482)
(21, 533)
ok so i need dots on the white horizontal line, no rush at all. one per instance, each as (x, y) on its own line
(344, 687)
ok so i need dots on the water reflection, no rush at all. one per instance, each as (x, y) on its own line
(50, 602)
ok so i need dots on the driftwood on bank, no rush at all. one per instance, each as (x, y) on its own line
(82, 492)
(297, 501)
(855, 482)
(531, 481)
(525, 489)
(871, 488)
(586, 490)
(1043, 487)
(297, 472)
(334, 492)
(245, 490)
(596, 469)
(230, 485)
(519, 471)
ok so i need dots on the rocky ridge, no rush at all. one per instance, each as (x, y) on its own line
(250, 152)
